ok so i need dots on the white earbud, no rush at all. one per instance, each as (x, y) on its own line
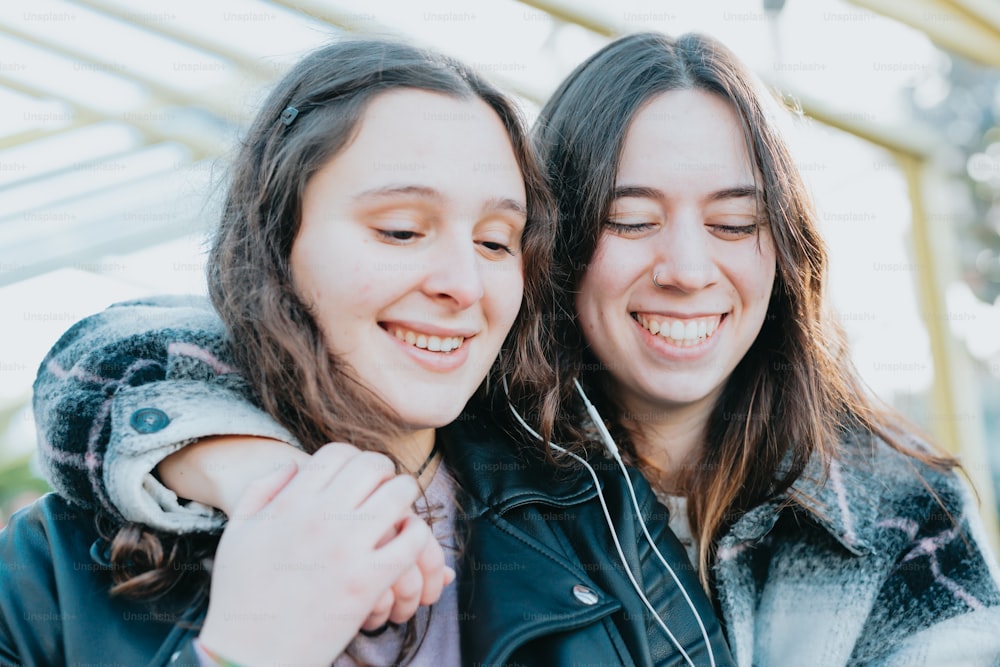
(612, 448)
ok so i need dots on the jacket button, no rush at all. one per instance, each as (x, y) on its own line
(585, 595)
(149, 420)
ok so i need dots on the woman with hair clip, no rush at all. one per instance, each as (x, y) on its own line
(368, 274)
(827, 532)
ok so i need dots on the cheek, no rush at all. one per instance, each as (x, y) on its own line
(604, 279)
(504, 297)
(757, 276)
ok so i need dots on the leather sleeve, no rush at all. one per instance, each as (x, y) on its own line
(55, 606)
(127, 387)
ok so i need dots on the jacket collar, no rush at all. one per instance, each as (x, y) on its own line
(842, 496)
(503, 560)
(496, 473)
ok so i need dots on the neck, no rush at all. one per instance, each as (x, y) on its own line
(671, 443)
(413, 449)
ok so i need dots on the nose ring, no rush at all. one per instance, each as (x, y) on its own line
(655, 281)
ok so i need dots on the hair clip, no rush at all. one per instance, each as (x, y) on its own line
(288, 115)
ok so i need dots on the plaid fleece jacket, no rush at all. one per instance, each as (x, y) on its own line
(879, 573)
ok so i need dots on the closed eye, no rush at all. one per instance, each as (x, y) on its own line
(497, 248)
(735, 231)
(630, 228)
(397, 235)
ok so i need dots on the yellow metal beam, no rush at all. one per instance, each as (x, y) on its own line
(985, 12)
(323, 12)
(568, 13)
(910, 139)
(956, 420)
(953, 25)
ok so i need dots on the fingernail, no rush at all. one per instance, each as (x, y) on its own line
(449, 575)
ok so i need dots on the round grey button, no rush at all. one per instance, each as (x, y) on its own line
(584, 595)
(149, 420)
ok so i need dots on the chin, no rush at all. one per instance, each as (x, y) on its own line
(430, 416)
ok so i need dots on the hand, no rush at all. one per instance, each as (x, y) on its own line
(421, 585)
(305, 558)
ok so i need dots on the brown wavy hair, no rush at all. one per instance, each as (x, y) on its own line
(277, 343)
(795, 393)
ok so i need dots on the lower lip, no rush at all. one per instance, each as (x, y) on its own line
(438, 362)
(665, 348)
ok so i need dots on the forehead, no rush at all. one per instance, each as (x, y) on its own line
(423, 121)
(430, 140)
(688, 138)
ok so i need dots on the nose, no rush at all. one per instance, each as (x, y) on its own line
(685, 262)
(455, 274)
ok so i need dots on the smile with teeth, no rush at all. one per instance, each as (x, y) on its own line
(683, 333)
(427, 342)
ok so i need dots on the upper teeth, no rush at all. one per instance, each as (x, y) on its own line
(685, 332)
(425, 342)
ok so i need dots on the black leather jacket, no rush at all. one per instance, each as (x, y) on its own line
(540, 582)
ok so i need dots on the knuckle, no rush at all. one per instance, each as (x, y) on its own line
(379, 462)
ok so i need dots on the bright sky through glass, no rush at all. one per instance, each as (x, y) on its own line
(852, 60)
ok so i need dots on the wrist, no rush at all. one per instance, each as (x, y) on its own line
(217, 470)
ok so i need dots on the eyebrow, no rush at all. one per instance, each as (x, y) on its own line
(653, 193)
(423, 192)
(735, 193)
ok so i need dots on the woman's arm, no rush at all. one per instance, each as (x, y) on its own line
(149, 385)
(124, 389)
(217, 470)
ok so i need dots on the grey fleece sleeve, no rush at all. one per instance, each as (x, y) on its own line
(127, 387)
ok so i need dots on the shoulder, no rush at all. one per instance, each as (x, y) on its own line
(897, 488)
(130, 327)
(938, 573)
(116, 358)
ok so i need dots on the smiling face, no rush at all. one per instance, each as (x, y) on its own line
(408, 252)
(685, 211)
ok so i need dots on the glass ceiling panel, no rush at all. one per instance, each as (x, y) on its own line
(64, 150)
(90, 176)
(20, 113)
(133, 50)
(38, 68)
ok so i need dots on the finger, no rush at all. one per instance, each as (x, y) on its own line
(402, 551)
(389, 507)
(322, 467)
(389, 534)
(358, 478)
(262, 491)
(431, 565)
(379, 615)
(406, 591)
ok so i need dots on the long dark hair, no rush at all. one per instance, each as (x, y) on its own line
(795, 392)
(280, 348)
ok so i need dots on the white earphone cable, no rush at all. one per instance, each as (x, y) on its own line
(612, 448)
(618, 546)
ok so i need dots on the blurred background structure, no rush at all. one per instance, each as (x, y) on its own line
(116, 119)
